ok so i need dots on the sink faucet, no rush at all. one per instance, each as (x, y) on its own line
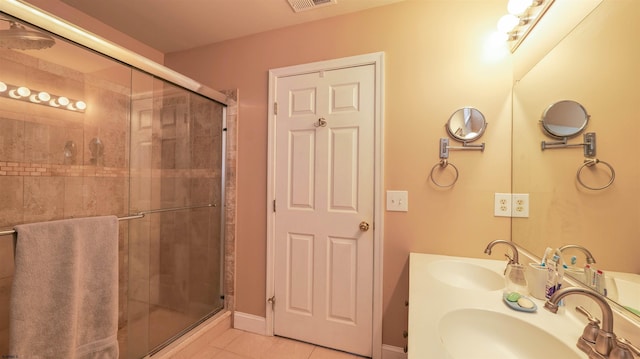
(513, 260)
(605, 339)
(590, 259)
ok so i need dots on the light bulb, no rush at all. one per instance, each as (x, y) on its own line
(44, 96)
(507, 23)
(34, 98)
(3, 87)
(81, 105)
(63, 101)
(23, 91)
(499, 37)
(518, 7)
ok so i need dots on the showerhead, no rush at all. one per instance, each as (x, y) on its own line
(17, 37)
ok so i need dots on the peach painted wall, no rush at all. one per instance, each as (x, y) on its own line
(78, 18)
(435, 63)
(563, 212)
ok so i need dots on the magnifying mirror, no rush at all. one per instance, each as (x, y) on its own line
(564, 119)
(466, 124)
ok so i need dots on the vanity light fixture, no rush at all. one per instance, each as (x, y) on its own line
(522, 16)
(26, 94)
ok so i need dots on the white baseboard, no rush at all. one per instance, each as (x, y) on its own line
(250, 323)
(255, 324)
(391, 352)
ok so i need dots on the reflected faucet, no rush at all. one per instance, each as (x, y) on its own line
(606, 339)
(590, 259)
(513, 260)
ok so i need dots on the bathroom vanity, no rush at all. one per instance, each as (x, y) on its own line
(456, 310)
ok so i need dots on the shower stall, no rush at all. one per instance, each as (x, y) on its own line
(87, 132)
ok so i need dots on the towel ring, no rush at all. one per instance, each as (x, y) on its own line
(592, 162)
(443, 164)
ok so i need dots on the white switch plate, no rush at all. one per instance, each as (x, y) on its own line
(398, 201)
(502, 205)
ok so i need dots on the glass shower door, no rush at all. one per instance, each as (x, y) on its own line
(175, 266)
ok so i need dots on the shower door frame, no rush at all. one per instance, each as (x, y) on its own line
(225, 301)
(66, 30)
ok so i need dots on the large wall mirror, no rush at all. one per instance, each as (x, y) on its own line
(598, 66)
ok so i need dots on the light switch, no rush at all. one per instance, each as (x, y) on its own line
(398, 201)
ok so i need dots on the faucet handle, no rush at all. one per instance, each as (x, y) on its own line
(586, 313)
(511, 260)
(623, 349)
(590, 332)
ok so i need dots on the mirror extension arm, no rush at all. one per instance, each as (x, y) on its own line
(589, 144)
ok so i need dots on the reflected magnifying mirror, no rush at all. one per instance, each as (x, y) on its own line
(564, 119)
(466, 124)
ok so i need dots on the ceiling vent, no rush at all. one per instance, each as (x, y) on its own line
(303, 5)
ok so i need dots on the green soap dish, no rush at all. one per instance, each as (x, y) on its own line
(521, 304)
(513, 296)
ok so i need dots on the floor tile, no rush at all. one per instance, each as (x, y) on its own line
(288, 349)
(251, 345)
(228, 355)
(238, 344)
(324, 353)
(206, 353)
(226, 337)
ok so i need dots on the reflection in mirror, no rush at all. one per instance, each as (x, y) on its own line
(564, 119)
(562, 212)
(466, 124)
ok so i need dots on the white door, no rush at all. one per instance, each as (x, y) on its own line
(324, 191)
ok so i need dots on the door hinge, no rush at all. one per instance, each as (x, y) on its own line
(275, 108)
(274, 205)
(272, 301)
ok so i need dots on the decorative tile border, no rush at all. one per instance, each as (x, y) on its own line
(49, 170)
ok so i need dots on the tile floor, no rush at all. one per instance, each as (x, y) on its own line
(238, 344)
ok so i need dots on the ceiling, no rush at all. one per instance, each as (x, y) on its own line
(175, 25)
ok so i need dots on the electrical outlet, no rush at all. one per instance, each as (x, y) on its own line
(520, 205)
(502, 205)
(398, 201)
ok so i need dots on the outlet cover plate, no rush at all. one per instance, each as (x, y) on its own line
(502, 205)
(520, 205)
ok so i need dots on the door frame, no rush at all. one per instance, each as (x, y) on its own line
(376, 59)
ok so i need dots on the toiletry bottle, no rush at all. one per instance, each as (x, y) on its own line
(588, 274)
(552, 277)
(560, 267)
(600, 282)
(545, 256)
(594, 277)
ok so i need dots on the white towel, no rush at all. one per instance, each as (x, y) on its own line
(64, 299)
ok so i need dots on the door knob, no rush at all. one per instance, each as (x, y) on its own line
(321, 122)
(364, 226)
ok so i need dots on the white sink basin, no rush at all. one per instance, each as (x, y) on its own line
(466, 275)
(477, 333)
(624, 288)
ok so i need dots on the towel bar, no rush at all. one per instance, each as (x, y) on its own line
(136, 215)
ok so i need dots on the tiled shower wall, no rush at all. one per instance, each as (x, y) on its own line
(174, 163)
(37, 181)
